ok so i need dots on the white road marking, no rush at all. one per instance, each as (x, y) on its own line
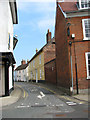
(36, 103)
(22, 106)
(39, 96)
(71, 103)
(42, 94)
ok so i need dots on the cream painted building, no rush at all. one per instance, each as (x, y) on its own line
(36, 70)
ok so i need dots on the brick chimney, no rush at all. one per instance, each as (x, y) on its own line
(36, 50)
(48, 36)
(23, 62)
(27, 60)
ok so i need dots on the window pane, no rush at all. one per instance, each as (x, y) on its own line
(85, 3)
(87, 28)
(89, 62)
(89, 56)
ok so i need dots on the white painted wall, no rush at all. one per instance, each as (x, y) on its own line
(6, 27)
(21, 75)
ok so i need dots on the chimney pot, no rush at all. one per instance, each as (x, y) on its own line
(36, 50)
(48, 36)
(23, 62)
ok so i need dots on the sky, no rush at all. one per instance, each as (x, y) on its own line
(34, 19)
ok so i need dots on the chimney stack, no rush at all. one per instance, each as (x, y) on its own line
(48, 36)
(27, 60)
(36, 50)
(23, 62)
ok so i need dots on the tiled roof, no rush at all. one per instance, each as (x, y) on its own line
(21, 67)
(68, 6)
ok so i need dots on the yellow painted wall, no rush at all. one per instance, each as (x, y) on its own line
(35, 65)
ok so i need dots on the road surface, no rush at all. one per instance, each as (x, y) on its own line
(38, 102)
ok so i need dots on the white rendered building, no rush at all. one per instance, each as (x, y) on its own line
(21, 73)
(8, 17)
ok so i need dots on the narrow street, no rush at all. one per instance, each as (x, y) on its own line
(38, 102)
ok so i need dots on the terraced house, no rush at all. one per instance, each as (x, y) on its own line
(36, 64)
(72, 35)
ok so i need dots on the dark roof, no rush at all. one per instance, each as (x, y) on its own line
(21, 67)
(37, 53)
(50, 61)
(68, 6)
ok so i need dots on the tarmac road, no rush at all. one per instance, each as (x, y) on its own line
(38, 102)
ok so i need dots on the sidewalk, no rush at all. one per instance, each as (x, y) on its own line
(14, 96)
(54, 89)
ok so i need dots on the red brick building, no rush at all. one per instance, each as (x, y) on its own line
(50, 71)
(72, 36)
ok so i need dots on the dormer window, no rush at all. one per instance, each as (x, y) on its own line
(84, 4)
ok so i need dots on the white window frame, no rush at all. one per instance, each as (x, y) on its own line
(40, 59)
(84, 34)
(86, 54)
(81, 6)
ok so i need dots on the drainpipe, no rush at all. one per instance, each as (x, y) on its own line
(70, 43)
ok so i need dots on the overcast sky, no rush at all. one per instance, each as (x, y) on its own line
(34, 19)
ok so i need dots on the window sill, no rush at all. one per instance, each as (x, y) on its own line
(84, 8)
(88, 78)
(86, 39)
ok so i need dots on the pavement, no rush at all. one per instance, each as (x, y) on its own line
(14, 97)
(17, 92)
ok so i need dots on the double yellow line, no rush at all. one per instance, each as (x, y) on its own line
(25, 94)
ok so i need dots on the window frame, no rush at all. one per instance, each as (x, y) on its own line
(40, 74)
(86, 55)
(81, 6)
(84, 33)
(40, 59)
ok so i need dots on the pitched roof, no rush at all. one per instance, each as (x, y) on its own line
(68, 6)
(21, 67)
(52, 41)
(37, 53)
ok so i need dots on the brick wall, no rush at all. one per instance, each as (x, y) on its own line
(62, 58)
(49, 52)
(50, 71)
(79, 47)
